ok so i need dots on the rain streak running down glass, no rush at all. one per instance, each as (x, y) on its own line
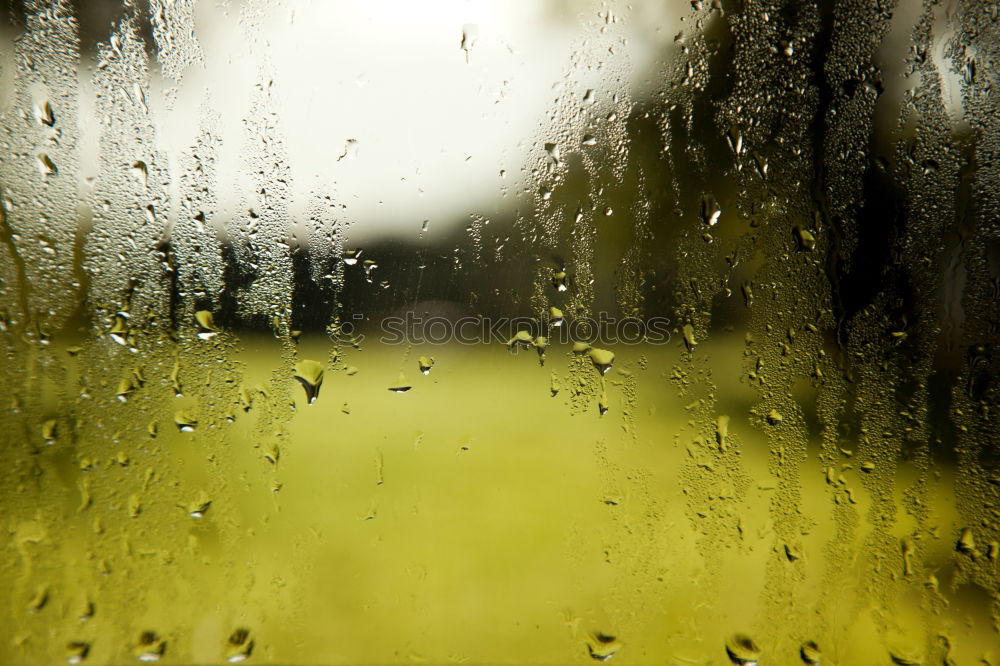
(468, 331)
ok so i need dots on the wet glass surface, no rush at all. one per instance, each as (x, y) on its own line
(460, 332)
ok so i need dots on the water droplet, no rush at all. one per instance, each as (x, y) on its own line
(425, 363)
(588, 97)
(310, 375)
(589, 140)
(140, 172)
(906, 656)
(44, 115)
(760, 163)
(966, 542)
(401, 385)
(868, 466)
(239, 646)
(119, 330)
(50, 431)
(125, 388)
(552, 150)
(185, 421)
(206, 324)
(45, 165)
(742, 650)
(735, 139)
(722, 432)
(76, 651)
(580, 348)
(555, 316)
(470, 35)
(602, 403)
(602, 647)
(39, 599)
(369, 266)
(134, 505)
(351, 257)
(710, 210)
(198, 507)
(805, 240)
(688, 332)
(521, 339)
(351, 147)
(559, 280)
(602, 359)
(774, 417)
(810, 653)
(150, 647)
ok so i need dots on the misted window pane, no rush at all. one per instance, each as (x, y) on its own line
(485, 332)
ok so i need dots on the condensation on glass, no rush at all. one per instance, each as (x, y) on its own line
(468, 331)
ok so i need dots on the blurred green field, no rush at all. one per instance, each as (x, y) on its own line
(475, 518)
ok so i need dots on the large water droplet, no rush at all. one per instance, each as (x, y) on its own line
(602, 647)
(50, 431)
(688, 331)
(710, 210)
(125, 388)
(44, 115)
(310, 375)
(239, 646)
(742, 650)
(150, 647)
(470, 35)
(810, 653)
(45, 165)
(735, 139)
(185, 421)
(425, 363)
(206, 324)
(602, 359)
(38, 599)
(76, 652)
(906, 656)
(521, 339)
(140, 172)
(351, 147)
(198, 507)
(805, 240)
(552, 149)
(119, 330)
(400, 386)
